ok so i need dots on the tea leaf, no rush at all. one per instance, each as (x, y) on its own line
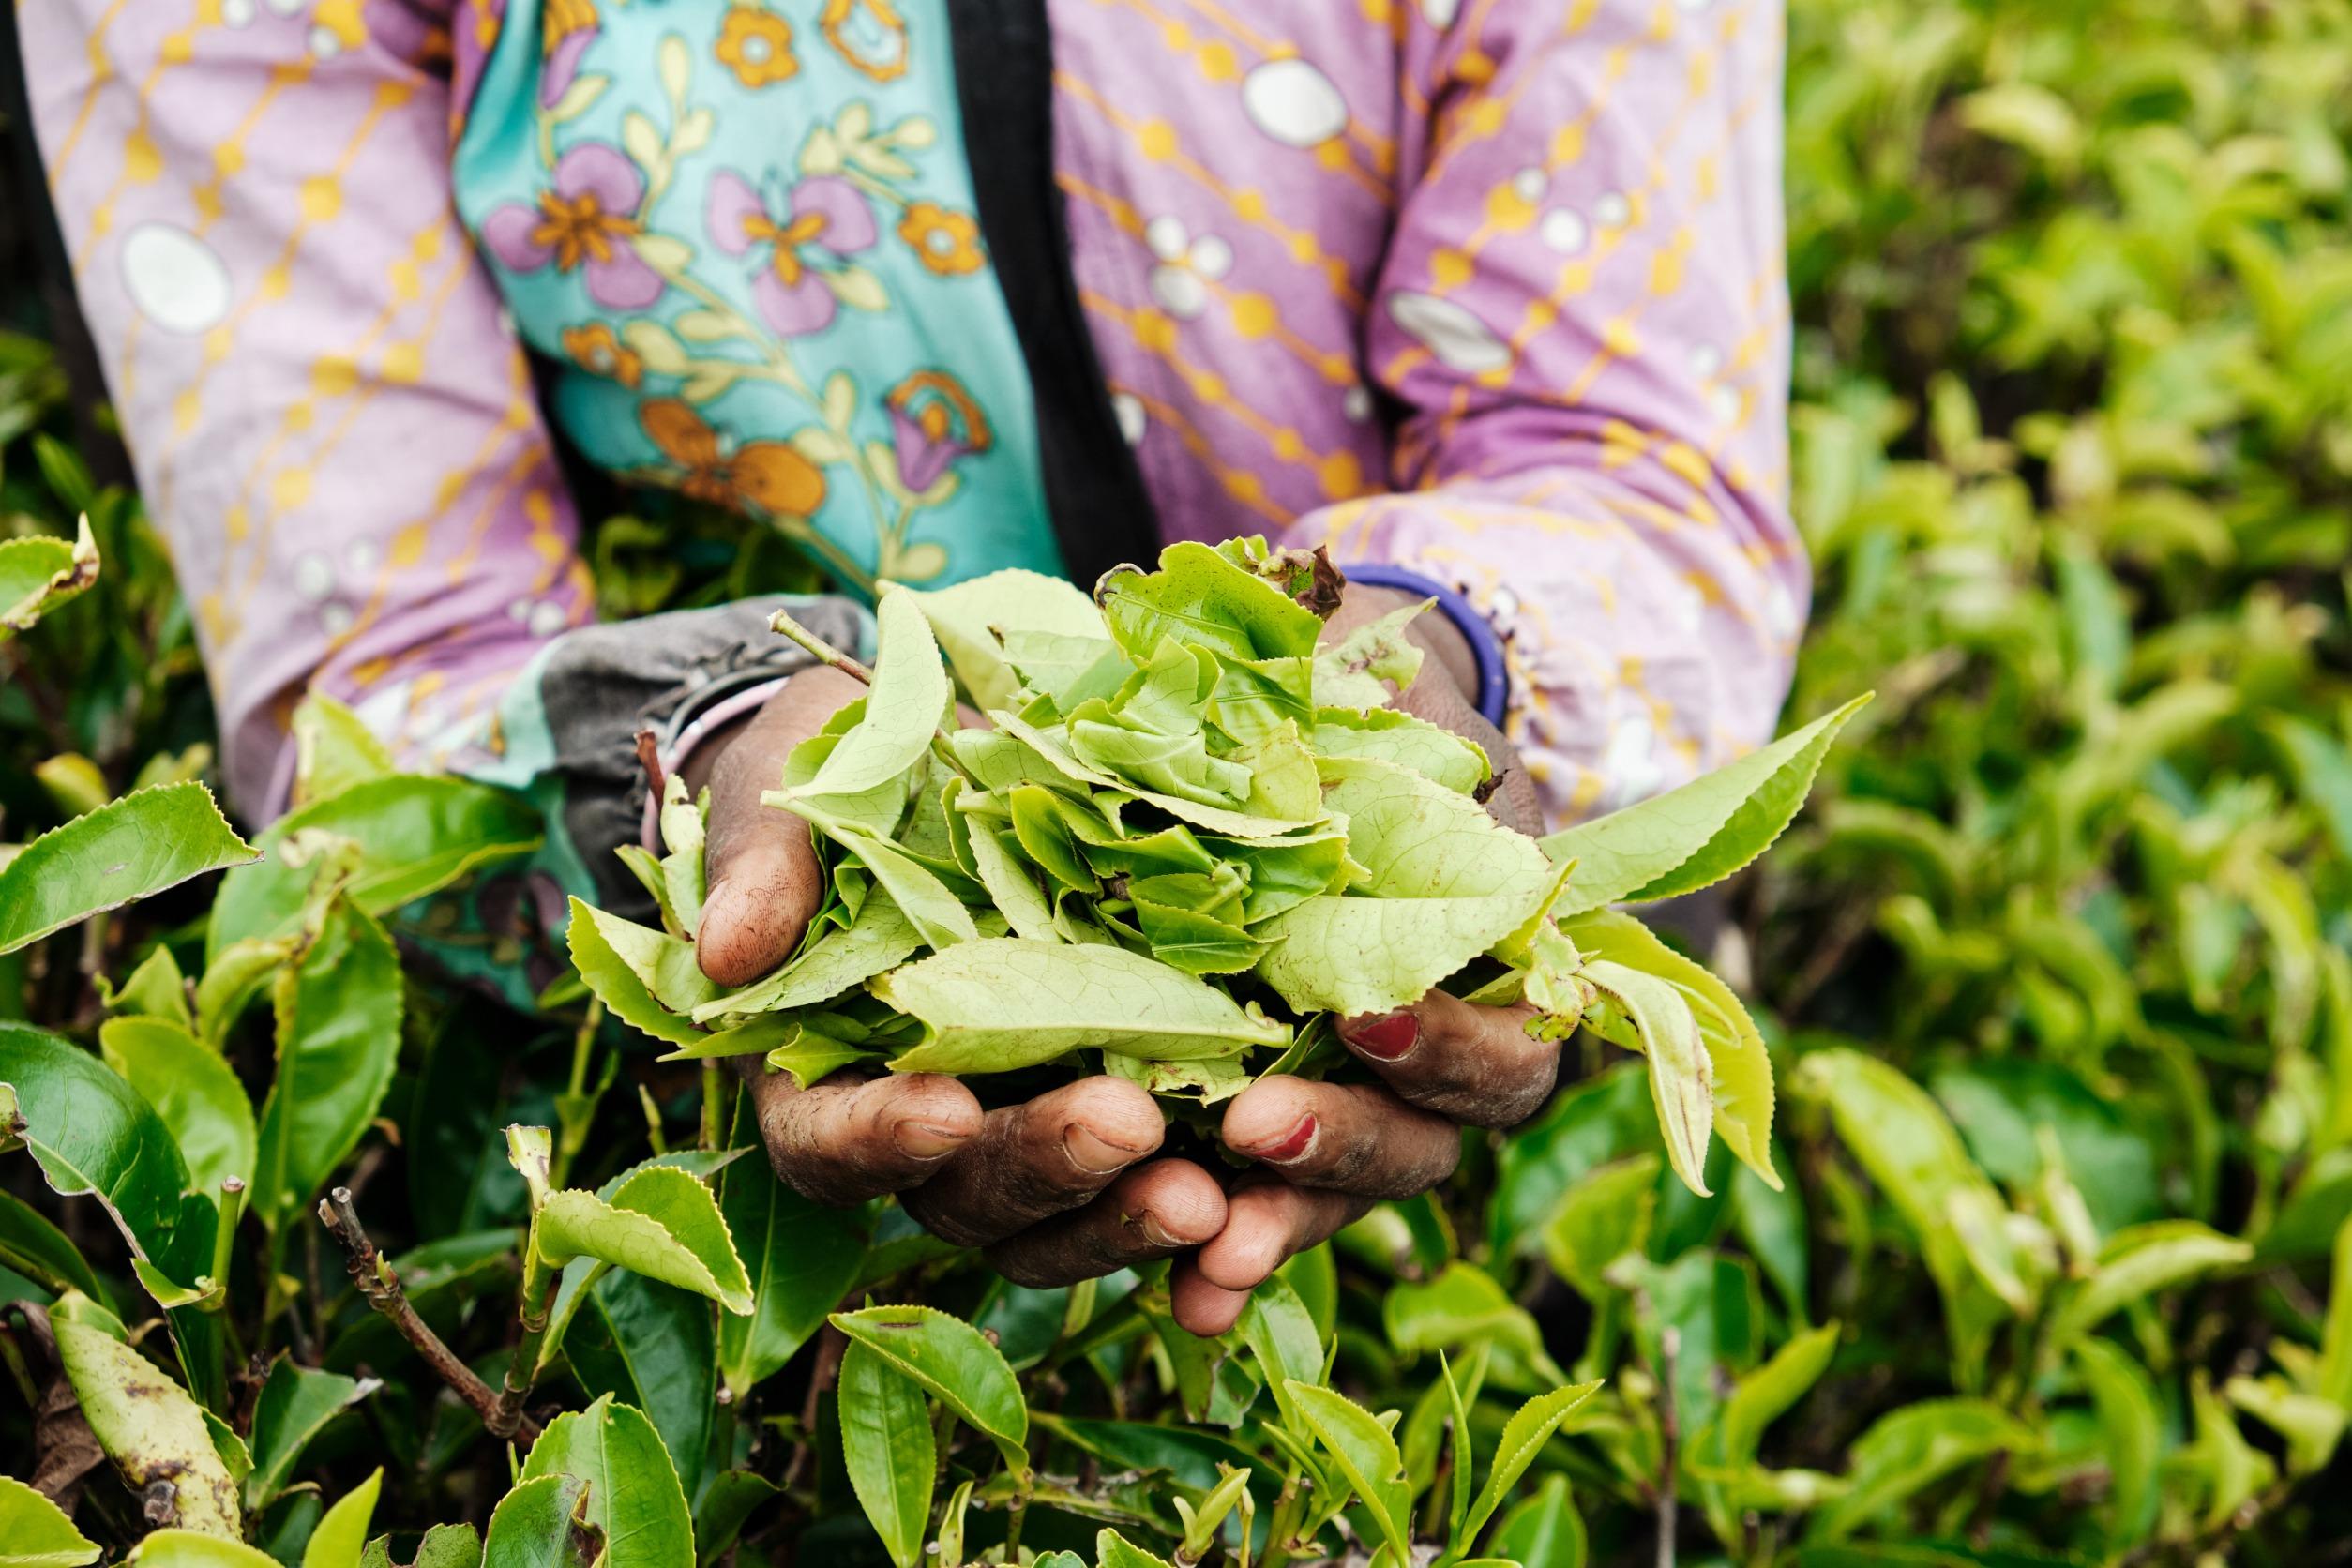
(124, 851)
(1004, 1003)
(632, 1489)
(1695, 835)
(659, 1222)
(955, 1364)
(888, 1449)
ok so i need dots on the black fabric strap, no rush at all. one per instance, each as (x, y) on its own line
(1102, 513)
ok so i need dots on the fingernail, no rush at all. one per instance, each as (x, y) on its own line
(923, 1141)
(1386, 1039)
(1155, 1233)
(1290, 1146)
(1093, 1153)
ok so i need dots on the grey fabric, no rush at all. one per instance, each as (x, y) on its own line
(604, 684)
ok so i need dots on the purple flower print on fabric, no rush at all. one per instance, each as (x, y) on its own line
(586, 221)
(825, 215)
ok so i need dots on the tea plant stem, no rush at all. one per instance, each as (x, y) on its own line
(539, 1281)
(1669, 1435)
(714, 1099)
(379, 1285)
(1285, 1523)
(224, 1239)
(819, 649)
(576, 1109)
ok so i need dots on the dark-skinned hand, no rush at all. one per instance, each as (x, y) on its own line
(1065, 1187)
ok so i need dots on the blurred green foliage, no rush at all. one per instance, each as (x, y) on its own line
(2058, 967)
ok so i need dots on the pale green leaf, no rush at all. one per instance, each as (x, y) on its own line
(127, 849)
(2140, 1261)
(993, 1006)
(146, 1424)
(617, 983)
(1366, 1452)
(1697, 835)
(660, 1222)
(1766, 1395)
(2133, 1433)
(1359, 671)
(1911, 1449)
(1393, 735)
(1217, 819)
(1524, 1435)
(1909, 1146)
(189, 1548)
(341, 1534)
(39, 572)
(1740, 1068)
(156, 989)
(533, 1525)
(969, 617)
(192, 1088)
(1653, 1017)
(1281, 1334)
(1543, 1531)
(1201, 598)
(36, 1534)
(908, 697)
(1114, 1550)
(1603, 1215)
(333, 751)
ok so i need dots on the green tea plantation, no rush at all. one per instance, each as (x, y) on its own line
(2038, 1254)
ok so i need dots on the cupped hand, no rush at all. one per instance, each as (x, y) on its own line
(1323, 1153)
(1061, 1188)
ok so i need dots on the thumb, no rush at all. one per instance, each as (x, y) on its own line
(765, 880)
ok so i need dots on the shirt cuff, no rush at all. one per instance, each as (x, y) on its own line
(1484, 646)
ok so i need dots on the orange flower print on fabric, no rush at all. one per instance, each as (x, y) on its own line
(594, 348)
(933, 421)
(757, 45)
(768, 477)
(946, 241)
(869, 34)
(568, 27)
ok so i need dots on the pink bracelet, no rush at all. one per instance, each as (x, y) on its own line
(726, 710)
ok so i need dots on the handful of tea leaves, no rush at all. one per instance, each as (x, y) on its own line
(1185, 841)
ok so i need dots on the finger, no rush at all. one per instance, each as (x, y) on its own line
(765, 881)
(1352, 1138)
(1032, 1161)
(1267, 1223)
(1471, 1065)
(843, 1142)
(1149, 1212)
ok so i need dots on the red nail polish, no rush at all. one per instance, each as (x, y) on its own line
(1387, 1039)
(1292, 1145)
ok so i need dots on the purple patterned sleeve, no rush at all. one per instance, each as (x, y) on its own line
(334, 428)
(1581, 312)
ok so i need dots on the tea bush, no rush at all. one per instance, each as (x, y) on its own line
(2056, 972)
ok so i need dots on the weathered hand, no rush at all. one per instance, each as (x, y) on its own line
(1059, 1189)
(1325, 1153)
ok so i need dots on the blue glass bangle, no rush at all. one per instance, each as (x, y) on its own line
(1484, 646)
